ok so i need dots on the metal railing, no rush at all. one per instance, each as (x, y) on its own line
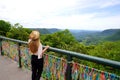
(70, 55)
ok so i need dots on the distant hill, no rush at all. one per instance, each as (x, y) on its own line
(114, 37)
(83, 34)
(45, 30)
(109, 32)
(94, 37)
(52, 30)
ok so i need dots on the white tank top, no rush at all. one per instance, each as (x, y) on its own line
(39, 52)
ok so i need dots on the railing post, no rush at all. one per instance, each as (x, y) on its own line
(19, 55)
(69, 68)
(1, 47)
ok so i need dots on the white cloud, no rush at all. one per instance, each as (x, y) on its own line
(85, 21)
(68, 20)
(110, 3)
(50, 13)
(32, 9)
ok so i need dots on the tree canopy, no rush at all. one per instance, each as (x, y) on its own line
(4, 27)
(18, 32)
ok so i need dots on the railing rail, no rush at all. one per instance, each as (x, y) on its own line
(14, 40)
(107, 62)
(70, 54)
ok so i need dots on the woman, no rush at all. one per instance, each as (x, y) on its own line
(37, 54)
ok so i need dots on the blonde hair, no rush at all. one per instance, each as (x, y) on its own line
(35, 41)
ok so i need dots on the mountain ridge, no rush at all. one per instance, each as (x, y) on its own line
(87, 36)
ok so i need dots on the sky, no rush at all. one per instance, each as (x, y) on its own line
(62, 14)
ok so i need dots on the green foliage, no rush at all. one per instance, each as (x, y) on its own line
(109, 50)
(18, 32)
(59, 39)
(4, 27)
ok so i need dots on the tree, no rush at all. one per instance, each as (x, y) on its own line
(4, 27)
(18, 32)
(59, 39)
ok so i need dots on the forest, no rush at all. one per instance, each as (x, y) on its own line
(105, 44)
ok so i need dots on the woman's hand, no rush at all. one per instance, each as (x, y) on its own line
(47, 46)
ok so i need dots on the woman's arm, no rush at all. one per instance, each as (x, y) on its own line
(45, 49)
